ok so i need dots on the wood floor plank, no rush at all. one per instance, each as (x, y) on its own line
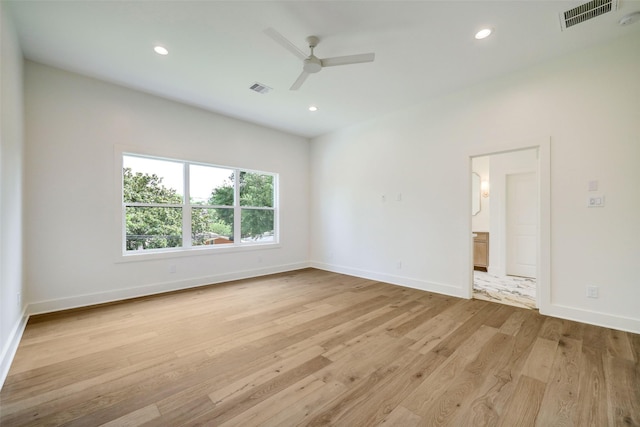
(300, 413)
(43, 402)
(427, 313)
(457, 313)
(512, 324)
(372, 410)
(538, 364)
(635, 346)
(623, 387)
(500, 316)
(52, 352)
(524, 404)
(439, 328)
(401, 417)
(257, 378)
(437, 383)
(492, 392)
(311, 347)
(449, 407)
(358, 330)
(560, 403)
(552, 329)
(447, 346)
(135, 418)
(618, 345)
(239, 404)
(94, 404)
(593, 336)
(331, 413)
(592, 393)
(357, 360)
(276, 403)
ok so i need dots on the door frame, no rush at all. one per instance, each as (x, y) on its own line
(543, 269)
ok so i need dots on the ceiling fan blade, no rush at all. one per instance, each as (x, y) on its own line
(301, 78)
(349, 59)
(282, 41)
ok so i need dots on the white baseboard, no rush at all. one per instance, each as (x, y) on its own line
(10, 348)
(407, 282)
(49, 306)
(593, 318)
(553, 310)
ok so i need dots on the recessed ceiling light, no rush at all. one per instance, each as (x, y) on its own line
(484, 33)
(313, 108)
(160, 50)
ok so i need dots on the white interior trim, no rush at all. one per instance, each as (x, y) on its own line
(10, 348)
(407, 282)
(603, 320)
(77, 301)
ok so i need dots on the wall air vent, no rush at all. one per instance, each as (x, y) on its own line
(586, 11)
(260, 88)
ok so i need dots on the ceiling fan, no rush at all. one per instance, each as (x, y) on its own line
(312, 64)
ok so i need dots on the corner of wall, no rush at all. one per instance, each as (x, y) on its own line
(12, 313)
(11, 346)
(406, 282)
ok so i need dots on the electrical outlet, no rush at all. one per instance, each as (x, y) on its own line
(172, 268)
(19, 297)
(592, 292)
(399, 265)
(595, 201)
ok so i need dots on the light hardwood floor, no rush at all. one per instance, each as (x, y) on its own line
(318, 348)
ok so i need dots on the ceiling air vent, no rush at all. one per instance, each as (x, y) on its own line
(260, 88)
(586, 11)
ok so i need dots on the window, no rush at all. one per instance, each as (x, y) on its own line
(176, 205)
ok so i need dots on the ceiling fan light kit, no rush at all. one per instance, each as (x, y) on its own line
(311, 64)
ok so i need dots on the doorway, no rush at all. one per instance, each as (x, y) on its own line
(506, 228)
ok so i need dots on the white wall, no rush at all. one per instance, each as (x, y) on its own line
(587, 103)
(12, 318)
(72, 232)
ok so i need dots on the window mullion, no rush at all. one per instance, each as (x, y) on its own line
(237, 213)
(186, 208)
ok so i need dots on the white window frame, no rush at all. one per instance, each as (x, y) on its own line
(187, 248)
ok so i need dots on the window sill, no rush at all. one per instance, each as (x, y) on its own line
(197, 251)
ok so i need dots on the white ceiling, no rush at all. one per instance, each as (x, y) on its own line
(218, 49)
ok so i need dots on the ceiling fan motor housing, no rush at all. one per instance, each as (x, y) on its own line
(312, 65)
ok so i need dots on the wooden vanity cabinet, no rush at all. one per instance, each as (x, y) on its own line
(480, 250)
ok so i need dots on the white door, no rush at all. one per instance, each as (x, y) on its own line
(522, 220)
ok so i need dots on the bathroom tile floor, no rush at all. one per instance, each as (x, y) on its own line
(512, 290)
